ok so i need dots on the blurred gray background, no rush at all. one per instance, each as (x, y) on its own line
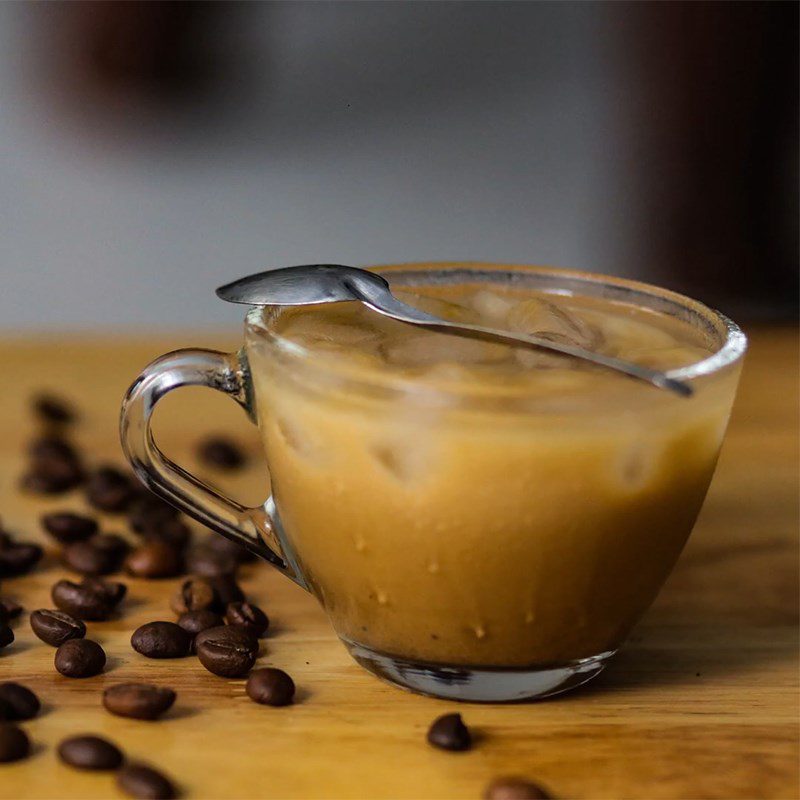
(152, 151)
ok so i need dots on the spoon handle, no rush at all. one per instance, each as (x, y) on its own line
(382, 301)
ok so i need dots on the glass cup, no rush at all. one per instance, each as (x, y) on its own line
(468, 545)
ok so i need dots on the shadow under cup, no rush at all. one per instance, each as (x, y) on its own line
(487, 549)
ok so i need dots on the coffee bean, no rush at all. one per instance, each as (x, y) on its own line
(89, 752)
(514, 789)
(221, 453)
(225, 651)
(51, 408)
(113, 591)
(80, 658)
(52, 446)
(449, 733)
(227, 589)
(270, 687)
(210, 564)
(196, 594)
(149, 510)
(100, 555)
(139, 780)
(18, 702)
(66, 527)
(56, 627)
(193, 622)
(18, 558)
(6, 636)
(173, 531)
(14, 743)
(249, 616)
(161, 640)
(110, 489)
(155, 559)
(10, 609)
(81, 600)
(228, 548)
(138, 700)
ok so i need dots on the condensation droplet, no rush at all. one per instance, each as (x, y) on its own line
(479, 631)
(383, 598)
(433, 567)
(528, 617)
(361, 545)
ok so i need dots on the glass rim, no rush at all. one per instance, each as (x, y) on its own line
(732, 348)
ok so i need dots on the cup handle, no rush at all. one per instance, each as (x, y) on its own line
(251, 528)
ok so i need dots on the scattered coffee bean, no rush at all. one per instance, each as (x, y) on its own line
(196, 594)
(9, 608)
(6, 636)
(113, 591)
(90, 752)
(221, 452)
(110, 489)
(55, 467)
(270, 687)
(80, 658)
(18, 558)
(139, 780)
(138, 700)
(208, 563)
(82, 600)
(227, 589)
(193, 622)
(173, 531)
(161, 640)
(449, 732)
(56, 627)
(228, 548)
(17, 702)
(52, 446)
(50, 408)
(149, 510)
(514, 789)
(225, 651)
(155, 559)
(249, 616)
(66, 527)
(14, 743)
(100, 555)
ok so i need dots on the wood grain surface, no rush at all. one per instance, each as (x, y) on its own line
(701, 703)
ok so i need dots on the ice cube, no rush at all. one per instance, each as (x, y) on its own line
(538, 316)
(491, 306)
(444, 309)
(428, 348)
(293, 437)
(403, 460)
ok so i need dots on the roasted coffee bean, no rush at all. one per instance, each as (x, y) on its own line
(138, 700)
(249, 616)
(173, 531)
(14, 743)
(221, 453)
(81, 600)
(161, 640)
(449, 733)
(196, 594)
(193, 622)
(113, 591)
(149, 510)
(514, 789)
(80, 658)
(17, 702)
(227, 547)
(270, 687)
(56, 627)
(100, 555)
(228, 652)
(6, 636)
(18, 558)
(66, 527)
(50, 408)
(9, 609)
(210, 564)
(139, 780)
(227, 589)
(89, 752)
(52, 446)
(110, 489)
(155, 559)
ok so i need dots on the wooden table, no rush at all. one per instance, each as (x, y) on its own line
(702, 703)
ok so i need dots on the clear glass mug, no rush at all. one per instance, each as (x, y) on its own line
(469, 548)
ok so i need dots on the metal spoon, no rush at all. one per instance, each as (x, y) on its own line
(334, 283)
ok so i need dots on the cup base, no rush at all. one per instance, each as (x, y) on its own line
(479, 684)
